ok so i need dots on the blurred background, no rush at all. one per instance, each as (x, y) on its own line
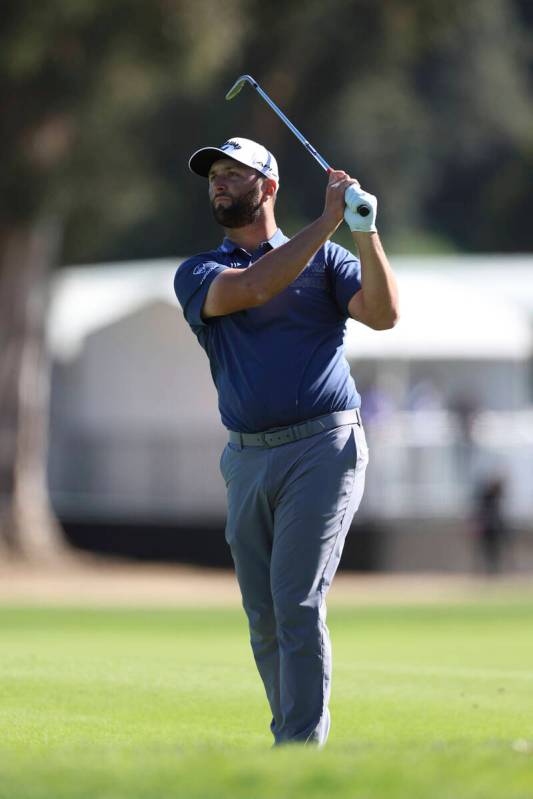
(109, 433)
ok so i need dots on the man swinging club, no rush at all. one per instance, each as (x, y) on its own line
(270, 312)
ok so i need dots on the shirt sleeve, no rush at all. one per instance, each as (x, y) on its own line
(345, 271)
(191, 284)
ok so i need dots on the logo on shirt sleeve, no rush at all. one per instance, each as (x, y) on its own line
(203, 269)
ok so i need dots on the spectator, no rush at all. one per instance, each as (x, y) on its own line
(491, 530)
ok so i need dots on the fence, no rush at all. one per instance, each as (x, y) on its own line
(422, 465)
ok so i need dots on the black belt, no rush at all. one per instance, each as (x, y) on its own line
(295, 432)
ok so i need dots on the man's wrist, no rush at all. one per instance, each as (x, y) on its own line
(328, 223)
(365, 242)
(364, 234)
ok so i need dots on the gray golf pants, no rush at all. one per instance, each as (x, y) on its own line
(289, 510)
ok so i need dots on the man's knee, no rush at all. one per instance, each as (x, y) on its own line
(297, 620)
(261, 619)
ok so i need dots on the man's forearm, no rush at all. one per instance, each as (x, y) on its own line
(379, 296)
(276, 270)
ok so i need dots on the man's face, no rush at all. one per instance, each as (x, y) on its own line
(235, 192)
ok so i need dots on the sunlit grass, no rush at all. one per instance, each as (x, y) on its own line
(427, 702)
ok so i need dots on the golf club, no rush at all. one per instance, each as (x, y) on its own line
(363, 210)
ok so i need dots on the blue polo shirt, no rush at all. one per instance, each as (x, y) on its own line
(282, 362)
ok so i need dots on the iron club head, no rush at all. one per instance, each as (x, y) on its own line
(237, 86)
(235, 90)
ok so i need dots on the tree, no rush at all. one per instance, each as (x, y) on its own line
(428, 103)
(77, 82)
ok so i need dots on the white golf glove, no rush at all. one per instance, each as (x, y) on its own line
(354, 197)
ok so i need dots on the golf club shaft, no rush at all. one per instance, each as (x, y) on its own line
(236, 88)
(309, 147)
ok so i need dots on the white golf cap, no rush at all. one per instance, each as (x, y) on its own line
(243, 150)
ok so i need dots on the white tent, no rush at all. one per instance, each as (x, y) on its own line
(85, 299)
(462, 307)
(443, 317)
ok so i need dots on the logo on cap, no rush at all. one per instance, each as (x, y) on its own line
(230, 143)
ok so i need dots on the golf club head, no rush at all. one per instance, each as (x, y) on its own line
(237, 86)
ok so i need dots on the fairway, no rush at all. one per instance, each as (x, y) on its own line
(428, 701)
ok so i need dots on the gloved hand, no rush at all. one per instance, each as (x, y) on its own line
(354, 197)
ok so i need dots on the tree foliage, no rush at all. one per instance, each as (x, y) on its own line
(428, 103)
(77, 82)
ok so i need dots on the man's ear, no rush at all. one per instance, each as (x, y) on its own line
(270, 187)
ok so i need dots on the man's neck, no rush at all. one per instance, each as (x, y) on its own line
(251, 236)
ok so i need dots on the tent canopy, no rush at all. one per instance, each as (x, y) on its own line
(442, 318)
(450, 308)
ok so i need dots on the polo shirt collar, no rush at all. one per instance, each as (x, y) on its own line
(276, 240)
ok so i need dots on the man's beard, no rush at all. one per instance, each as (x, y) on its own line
(241, 212)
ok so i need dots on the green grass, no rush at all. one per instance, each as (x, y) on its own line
(433, 702)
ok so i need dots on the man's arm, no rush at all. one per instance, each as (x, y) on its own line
(376, 304)
(237, 289)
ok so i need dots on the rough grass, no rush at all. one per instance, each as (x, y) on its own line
(428, 701)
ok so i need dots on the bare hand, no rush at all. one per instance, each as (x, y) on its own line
(334, 206)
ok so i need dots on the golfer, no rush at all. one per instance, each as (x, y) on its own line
(270, 312)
